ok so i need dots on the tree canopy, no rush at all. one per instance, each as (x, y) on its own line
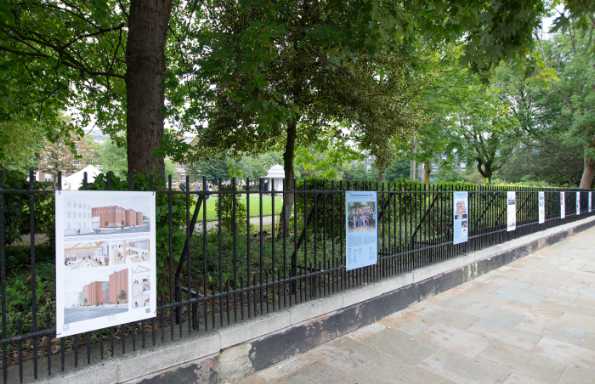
(436, 82)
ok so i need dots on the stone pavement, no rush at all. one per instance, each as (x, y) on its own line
(530, 322)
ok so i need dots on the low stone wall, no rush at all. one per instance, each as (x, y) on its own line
(231, 353)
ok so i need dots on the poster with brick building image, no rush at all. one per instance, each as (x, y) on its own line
(105, 259)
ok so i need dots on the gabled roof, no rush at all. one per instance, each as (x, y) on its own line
(75, 181)
(276, 171)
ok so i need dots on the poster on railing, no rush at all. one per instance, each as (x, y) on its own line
(578, 203)
(460, 217)
(541, 206)
(361, 224)
(105, 259)
(510, 211)
(562, 205)
(590, 202)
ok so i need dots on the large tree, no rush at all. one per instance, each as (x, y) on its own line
(575, 63)
(105, 58)
(440, 83)
(551, 95)
(577, 92)
(467, 116)
(487, 132)
(287, 70)
(145, 88)
(257, 74)
(269, 73)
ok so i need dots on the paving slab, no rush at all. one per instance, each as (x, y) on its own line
(530, 322)
(578, 375)
(515, 378)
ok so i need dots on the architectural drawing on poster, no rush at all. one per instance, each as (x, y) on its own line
(105, 259)
(510, 211)
(460, 217)
(81, 218)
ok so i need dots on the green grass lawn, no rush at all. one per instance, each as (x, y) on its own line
(267, 206)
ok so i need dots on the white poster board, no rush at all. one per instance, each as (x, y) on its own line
(361, 226)
(562, 205)
(460, 224)
(590, 202)
(105, 259)
(578, 203)
(510, 211)
(541, 205)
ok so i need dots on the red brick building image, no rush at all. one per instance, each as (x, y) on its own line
(94, 293)
(118, 287)
(113, 291)
(115, 217)
(131, 217)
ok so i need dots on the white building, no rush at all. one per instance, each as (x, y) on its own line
(276, 175)
(77, 218)
(75, 181)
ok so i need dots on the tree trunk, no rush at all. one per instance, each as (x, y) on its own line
(381, 168)
(427, 173)
(588, 173)
(145, 61)
(485, 170)
(288, 182)
(413, 163)
(413, 170)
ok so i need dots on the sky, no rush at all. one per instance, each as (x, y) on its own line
(548, 21)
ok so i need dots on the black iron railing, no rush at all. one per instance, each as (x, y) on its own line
(226, 253)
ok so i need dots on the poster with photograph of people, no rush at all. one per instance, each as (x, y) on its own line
(105, 259)
(361, 223)
(460, 217)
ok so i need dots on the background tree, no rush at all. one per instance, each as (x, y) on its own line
(577, 90)
(253, 166)
(286, 70)
(531, 87)
(576, 66)
(20, 141)
(327, 158)
(61, 54)
(28, 115)
(213, 168)
(106, 57)
(269, 72)
(551, 95)
(486, 129)
(397, 169)
(63, 155)
(549, 160)
(112, 158)
(440, 76)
